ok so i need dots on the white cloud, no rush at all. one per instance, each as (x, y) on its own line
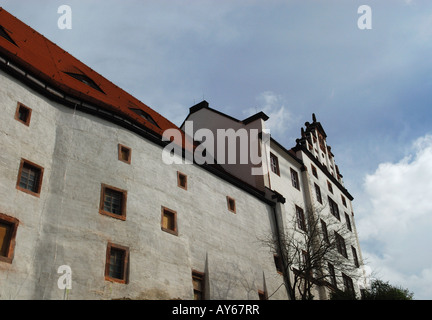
(280, 118)
(396, 226)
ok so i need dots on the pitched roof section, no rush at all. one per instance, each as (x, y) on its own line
(205, 105)
(45, 60)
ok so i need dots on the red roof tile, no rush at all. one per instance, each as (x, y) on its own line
(45, 60)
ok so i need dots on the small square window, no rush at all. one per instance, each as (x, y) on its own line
(124, 153)
(117, 263)
(169, 221)
(231, 204)
(181, 180)
(30, 178)
(198, 285)
(23, 114)
(8, 230)
(113, 202)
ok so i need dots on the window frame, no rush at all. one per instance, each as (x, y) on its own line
(295, 179)
(325, 231)
(341, 245)
(126, 259)
(332, 274)
(102, 210)
(122, 147)
(348, 222)
(173, 231)
(355, 257)
(343, 201)
(13, 223)
(300, 218)
(348, 283)
(314, 171)
(278, 263)
(334, 208)
(231, 204)
(318, 193)
(276, 164)
(179, 180)
(17, 112)
(201, 277)
(330, 187)
(40, 177)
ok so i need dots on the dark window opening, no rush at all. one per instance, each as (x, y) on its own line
(301, 222)
(295, 179)
(324, 231)
(334, 210)
(231, 204)
(274, 163)
(23, 114)
(340, 245)
(117, 260)
(5, 238)
(278, 263)
(8, 230)
(318, 193)
(6, 36)
(169, 221)
(30, 178)
(144, 115)
(198, 285)
(113, 202)
(181, 180)
(355, 257)
(332, 274)
(124, 153)
(84, 79)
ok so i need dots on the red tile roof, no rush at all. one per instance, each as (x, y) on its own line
(49, 63)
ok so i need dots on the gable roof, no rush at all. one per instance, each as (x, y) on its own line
(205, 105)
(44, 60)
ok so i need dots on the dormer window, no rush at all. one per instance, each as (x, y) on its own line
(145, 115)
(84, 79)
(6, 36)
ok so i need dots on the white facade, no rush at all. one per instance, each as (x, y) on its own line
(63, 226)
(298, 164)
(84, 188)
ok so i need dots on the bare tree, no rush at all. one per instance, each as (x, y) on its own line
(312, 252)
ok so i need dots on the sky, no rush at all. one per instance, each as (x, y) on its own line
(371, 89)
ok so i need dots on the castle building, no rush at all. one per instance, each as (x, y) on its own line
(89, 209)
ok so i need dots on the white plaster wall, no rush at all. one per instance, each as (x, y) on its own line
(213, 121)
(64, 227)
(351, 237)
(282, 184)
